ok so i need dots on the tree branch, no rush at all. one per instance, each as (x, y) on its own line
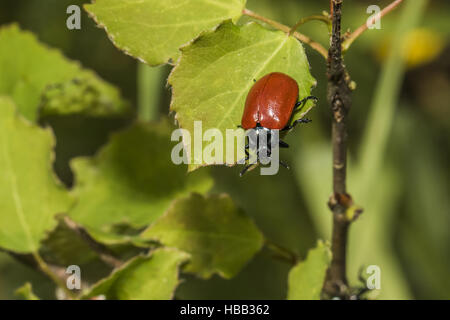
(339, 97)
(355, 34)
(55, 273)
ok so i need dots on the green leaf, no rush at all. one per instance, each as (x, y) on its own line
(219, 237)
(217, 70)
(26, 292)
(70, 243)
(63, 246)
(131, 181)
(153, 277)
(307, 277)
(38, 77)
(85, 96)
(30, 195)
(153, 30)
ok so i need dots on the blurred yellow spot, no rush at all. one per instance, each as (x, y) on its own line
(420, 47)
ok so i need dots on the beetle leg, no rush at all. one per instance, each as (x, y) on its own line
(295, 123)
(247, 156)
(283, 144)
(303, 101)
(284, 164)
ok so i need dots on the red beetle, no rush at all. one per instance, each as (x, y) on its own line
(269, 106)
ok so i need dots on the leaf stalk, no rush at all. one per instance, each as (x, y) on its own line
(355, 34)
(303, 38)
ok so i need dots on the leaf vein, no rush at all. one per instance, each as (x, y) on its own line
(15, 193)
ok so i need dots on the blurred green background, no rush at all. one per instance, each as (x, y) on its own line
(399, 131)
